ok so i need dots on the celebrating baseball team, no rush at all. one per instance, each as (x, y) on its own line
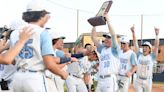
(32, 59)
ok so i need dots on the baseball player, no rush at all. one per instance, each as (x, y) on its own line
(9, 70)
(37, 53)
(109, 60)
(145, 63)
(90, 67)
(58, 44)
(127, 65)
(76, 71)
(8, 56)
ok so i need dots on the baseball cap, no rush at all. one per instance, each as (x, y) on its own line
(55, 35)
(36, 5)
(107, 35)
(124, 39)
(147, 44)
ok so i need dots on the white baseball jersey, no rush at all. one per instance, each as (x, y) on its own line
(109, 64)
(33, 50)
(78, 68)
(144, 72)
(145, 65)
(108, 68)
(127, 59)
(75, 81)
(29, 62)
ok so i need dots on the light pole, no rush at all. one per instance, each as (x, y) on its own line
(77, 23)
(141, 28)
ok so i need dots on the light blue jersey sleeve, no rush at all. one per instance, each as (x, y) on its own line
(133, 59)
(153, 56)
(60, 53)
(139, 53)
(115, 48)
(99, 49)
(46, 44)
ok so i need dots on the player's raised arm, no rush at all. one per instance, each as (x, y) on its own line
(94, 37)
(111, 31)
(156, 43)
(136, 47)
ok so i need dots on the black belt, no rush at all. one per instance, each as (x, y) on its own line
(74, 75)
(122, 75)
(26, 70)
(144, 78)
(105, 76)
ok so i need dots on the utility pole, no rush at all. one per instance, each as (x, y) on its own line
(77, 23)
(141, 28)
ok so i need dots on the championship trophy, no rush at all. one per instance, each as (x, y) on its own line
(99, 19)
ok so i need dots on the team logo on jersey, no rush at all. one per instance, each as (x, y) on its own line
(27, 51)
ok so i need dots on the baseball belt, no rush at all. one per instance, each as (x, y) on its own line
(122, 75)
(105, 76)
(74, 75)
(144, 78)
(27, 70)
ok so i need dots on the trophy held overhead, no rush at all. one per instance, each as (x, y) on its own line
(99, 19)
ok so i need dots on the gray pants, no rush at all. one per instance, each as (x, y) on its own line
(124, 82)
(75, 84)
(143, 85)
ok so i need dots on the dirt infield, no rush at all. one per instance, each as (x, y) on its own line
(156, 88)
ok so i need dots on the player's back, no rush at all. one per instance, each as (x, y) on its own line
(30, 57)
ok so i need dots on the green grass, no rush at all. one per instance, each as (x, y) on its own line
(158, 82)
(65, 88)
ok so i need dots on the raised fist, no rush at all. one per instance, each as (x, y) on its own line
(156, 30)
(132, 28)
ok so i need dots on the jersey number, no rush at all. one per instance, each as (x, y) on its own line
(26, 52)
(123, 66)
(106, 64)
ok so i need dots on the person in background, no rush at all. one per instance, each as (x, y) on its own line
(57, 42)
(90, 67)
(9, 56)
(145, 62)
(77, 70)
(10, 69)
(128, 65)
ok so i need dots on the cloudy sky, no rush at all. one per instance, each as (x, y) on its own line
(123, 14)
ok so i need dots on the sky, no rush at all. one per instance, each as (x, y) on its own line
(123, 14)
